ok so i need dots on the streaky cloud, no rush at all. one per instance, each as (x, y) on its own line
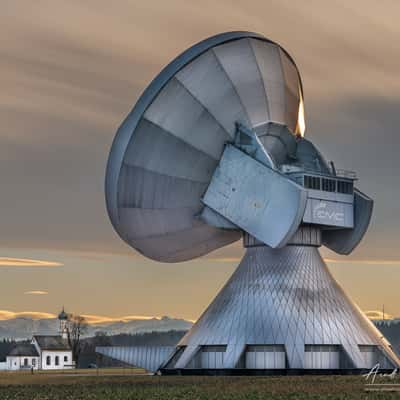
(364, 262)
(37, 292)
(99, 319)
(91, 319)
(4, 315)
(224, 259)
(376, 314)
(26, 262)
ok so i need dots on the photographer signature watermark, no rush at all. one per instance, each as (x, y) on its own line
(385, 381)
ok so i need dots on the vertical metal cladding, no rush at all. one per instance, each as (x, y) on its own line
(167, 149)
(287, 297)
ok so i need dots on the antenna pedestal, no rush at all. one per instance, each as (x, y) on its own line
(281, 311)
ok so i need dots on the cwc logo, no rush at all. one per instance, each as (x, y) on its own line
(321, 212)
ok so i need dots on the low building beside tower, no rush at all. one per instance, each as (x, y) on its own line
(44, 352)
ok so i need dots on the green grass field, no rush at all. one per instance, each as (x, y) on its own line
(130, 384)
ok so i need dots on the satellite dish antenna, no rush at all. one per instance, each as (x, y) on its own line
(213, 151)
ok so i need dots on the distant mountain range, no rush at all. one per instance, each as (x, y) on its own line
(23, 327)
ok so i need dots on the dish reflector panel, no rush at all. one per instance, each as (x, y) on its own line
(167, 149)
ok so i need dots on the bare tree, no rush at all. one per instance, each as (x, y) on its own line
(76, 327)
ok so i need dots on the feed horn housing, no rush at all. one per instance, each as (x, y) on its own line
(214, 151)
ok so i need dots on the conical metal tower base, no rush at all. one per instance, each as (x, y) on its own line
(281, 311)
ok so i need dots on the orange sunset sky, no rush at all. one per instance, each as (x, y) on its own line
(71, 71)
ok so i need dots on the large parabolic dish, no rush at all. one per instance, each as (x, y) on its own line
(215, 150)
(167, 149)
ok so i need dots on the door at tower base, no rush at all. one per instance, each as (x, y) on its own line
(322, 357)
(208, 357)
(370, 355)
(265, 357)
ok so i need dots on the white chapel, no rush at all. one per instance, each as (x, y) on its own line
(44, 352)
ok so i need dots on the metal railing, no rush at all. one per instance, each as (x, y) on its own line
(344, 173)
(338, 173)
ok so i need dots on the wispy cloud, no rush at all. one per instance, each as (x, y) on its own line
(26, 262)
(364, 262)
(100, 319)
(90, 318)
(224, 259)
(37, 292)
(4, 315)
(327, 260)
(376, 314)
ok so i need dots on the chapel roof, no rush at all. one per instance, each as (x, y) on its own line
(49, 342)
(24, 349)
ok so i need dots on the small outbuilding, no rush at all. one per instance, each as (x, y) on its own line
(23, 356)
